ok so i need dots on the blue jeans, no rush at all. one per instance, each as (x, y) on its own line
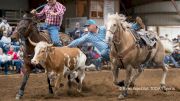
(5, 65)
(169, 59)
(53, 32)
(97, 63)
(135, 26)
(18, 64)
(105, 54)
(176, 64)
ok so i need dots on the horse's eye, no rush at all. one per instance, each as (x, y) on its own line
(42, 50)
(114, 24)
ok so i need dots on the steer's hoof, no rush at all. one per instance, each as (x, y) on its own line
(18, 97)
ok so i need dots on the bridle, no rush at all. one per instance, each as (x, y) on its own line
(22, 37)
(115, 43)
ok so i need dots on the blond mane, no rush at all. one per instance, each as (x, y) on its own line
(120, 19)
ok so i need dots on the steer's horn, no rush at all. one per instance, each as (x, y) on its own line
(50, 45)
(33, 43)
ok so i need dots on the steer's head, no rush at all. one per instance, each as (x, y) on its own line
(40, 51)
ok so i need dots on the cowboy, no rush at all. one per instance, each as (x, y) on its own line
(53, 13)
(138, 24)
(96, 36)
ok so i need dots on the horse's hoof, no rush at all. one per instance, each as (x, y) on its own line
(132, 85)
(120, 83)
(18, 97)
(79, 90)
(163, 88)
(121, 97)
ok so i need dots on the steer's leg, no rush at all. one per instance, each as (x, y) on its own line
(58, 82)
(23, 84)
(81, 78)
(49, 85)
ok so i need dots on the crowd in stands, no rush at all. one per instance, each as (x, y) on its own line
(174, 56)
(10, 50)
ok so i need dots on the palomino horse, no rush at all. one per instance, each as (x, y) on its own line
(126, 53)
(27, 27)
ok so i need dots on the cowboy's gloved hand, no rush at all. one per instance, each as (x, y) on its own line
(33, 11)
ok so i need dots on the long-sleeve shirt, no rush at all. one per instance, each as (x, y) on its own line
(57, 8)
(97, 39)
(6, 40)
(3, 57)
(13, 54)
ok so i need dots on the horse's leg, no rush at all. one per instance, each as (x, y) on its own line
(139, 71)
(163, 83)
(115, 71)
(159, 60)
(129, 77)
(23, 84)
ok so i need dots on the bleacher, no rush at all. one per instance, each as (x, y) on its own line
(12, 16)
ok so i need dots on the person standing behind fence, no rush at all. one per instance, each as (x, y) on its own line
(77, 32)
(53, 13)
(6, 27)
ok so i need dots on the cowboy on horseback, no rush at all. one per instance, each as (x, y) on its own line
(53, 13)
(138, 24)
(142, 36)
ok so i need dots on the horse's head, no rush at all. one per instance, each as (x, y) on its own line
(113, 26)
(24, 27)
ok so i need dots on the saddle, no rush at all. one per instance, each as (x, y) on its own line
(45, 34)
(145, 38)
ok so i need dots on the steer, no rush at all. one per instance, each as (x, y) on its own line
(69, 62)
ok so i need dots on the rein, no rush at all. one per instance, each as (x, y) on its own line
(121, 55)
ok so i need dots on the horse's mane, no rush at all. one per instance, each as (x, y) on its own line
(120, 18)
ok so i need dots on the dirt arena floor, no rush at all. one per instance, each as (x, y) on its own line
(98, 87)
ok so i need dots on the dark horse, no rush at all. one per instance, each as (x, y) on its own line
(27, 27)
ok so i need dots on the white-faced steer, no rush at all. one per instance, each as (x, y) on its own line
(61, 61)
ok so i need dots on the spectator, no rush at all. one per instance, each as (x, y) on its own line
(85, 31)
(7, 27)
(174, 58)
(15, 59)
(77, 32)
(5, 42)
(4, 61)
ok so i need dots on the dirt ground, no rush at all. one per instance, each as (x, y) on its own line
(98, 86)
